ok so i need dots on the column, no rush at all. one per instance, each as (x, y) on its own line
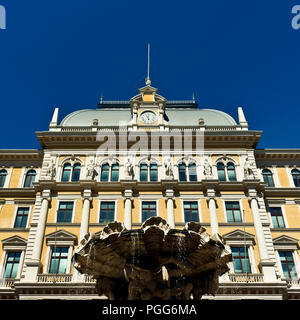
(212, 209)
(33, 265)
(170, 206)
(128, 208)
(85, 217)
(170, 213)
(213, 216)
(265, 263)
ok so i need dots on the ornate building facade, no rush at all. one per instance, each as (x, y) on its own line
(129, 160)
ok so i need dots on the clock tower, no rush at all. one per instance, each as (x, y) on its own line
(147, 109)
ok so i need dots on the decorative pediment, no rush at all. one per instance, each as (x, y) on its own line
(286, 242)
(61, 237)
(239, 237)
(14, 242)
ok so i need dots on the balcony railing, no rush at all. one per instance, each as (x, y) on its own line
(54, 278)
(249, 277)
(7, 282)
(61, 278)
(293, 283)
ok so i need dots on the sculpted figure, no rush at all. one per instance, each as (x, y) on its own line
(51, 171)
(168, 168)
(207, 169)
(90, 170)
(129, 167)
(248, 172)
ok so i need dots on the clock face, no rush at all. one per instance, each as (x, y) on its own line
(148, 117)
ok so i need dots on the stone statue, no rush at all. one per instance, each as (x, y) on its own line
(168, 168)
(90, 170)
(207, 169)
(248, 172)
(129, 168)
(51, 171)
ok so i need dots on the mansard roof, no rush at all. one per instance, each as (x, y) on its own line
(177, 114)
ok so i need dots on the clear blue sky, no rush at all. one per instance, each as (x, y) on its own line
(67, 53)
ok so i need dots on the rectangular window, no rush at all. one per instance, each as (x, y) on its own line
(287, 263)
(148, 209)
(233, 211)
(65, 212)
(12, 264)
(191, 211)
(59, 258)
(21, 218)
(240, 260)
(277, 217)
(107, 212)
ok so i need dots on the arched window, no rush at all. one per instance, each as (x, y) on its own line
(3, 174)
(143, 172)
(76, 172)
(153, 172)
(182, 172)
(71, 173)
(115, 172)
(148, 171)
(268, 178)
(296, 177)
(231, 171)
(66, 174)
(192, 172)
(29, 179)
(105, 172)
(221, 171)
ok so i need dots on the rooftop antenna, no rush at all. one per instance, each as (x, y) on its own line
(193, 96)
(148, 81)
(101, 99)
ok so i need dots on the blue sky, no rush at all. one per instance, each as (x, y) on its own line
(230, 53)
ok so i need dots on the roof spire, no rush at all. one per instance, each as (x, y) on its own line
(148, 81)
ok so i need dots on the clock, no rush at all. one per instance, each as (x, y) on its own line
(148, 117)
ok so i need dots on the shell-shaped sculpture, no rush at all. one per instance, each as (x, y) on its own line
(153, 262)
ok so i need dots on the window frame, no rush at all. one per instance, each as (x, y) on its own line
(148, 200)
(198, 209)
(241, 210)
(16, 215)
(14, 243)
(59, 201)
(25, 178)
(281, 206)
(293, 179)
(99, 214)
(270, 174)
(3, 181)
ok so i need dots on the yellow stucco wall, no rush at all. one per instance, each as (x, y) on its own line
(282, 176)
(15, 178)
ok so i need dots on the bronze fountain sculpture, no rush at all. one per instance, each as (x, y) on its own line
(153, 262)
